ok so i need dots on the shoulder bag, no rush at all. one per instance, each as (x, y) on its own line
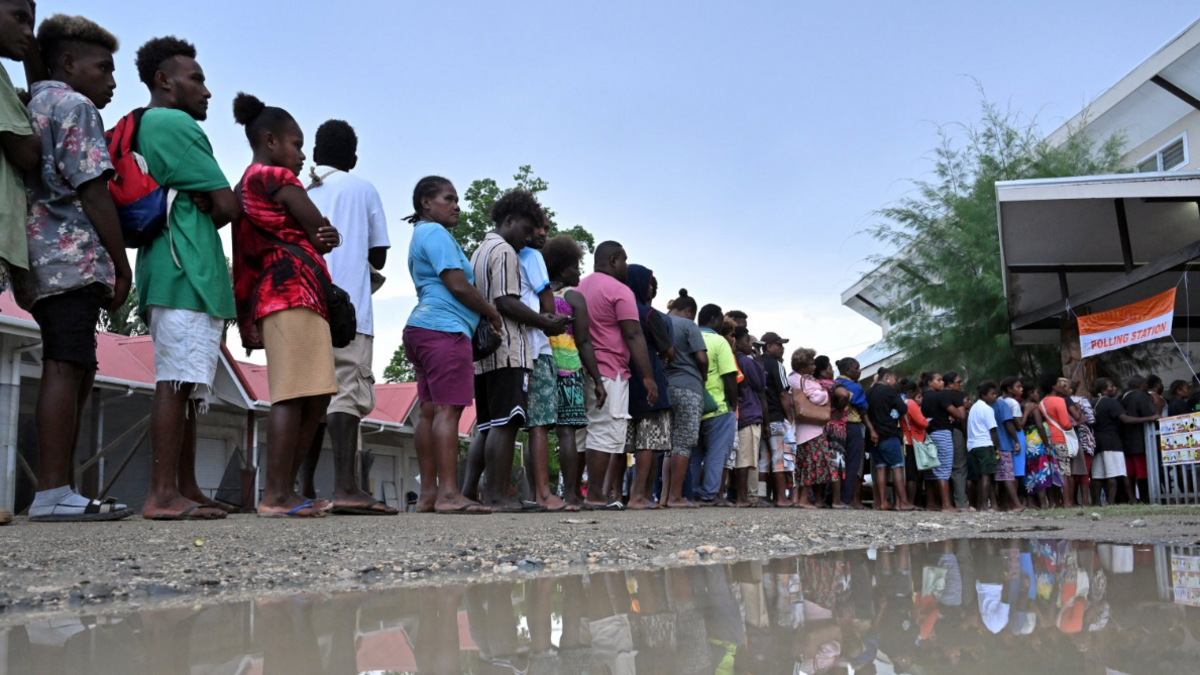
(808, 412)
(1069, 434)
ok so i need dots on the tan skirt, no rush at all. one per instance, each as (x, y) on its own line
(299, 354)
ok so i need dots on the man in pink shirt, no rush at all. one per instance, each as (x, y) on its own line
(616, 337)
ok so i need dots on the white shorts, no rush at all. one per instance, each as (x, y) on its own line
(1108, 465)
(187, 347)
(606, 427)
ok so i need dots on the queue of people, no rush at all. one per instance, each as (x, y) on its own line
(674, 409)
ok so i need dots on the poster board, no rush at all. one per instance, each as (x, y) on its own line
(1185, 579)
(1179, 439)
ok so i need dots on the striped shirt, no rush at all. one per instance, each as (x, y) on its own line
(497, 274)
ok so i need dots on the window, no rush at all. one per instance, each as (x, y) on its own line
(1173, 155)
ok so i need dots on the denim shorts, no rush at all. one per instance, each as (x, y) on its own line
(889, 452)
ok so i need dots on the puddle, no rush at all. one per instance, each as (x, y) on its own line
(985, 606)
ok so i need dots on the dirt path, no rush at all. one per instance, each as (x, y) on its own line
(48, 569)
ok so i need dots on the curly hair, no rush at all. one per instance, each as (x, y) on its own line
(58, 31)
(336, 145)
(802, 358)
(258, 117)
(154, 53)
(519, 203)
(561, 253)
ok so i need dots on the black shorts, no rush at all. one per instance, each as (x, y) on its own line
(501, 397)
(68, 323)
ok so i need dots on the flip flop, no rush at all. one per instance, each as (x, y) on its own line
(533, 507)
(472, 509)
(295, 513)
(615, 506)
(368, 510)
(186, 514)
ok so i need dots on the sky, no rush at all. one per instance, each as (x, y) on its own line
(737, 149)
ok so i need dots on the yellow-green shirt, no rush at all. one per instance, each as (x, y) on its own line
(720, 363)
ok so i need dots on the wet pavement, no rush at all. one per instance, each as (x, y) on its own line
(964, 606)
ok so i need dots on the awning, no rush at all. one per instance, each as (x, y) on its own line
(1095, 243)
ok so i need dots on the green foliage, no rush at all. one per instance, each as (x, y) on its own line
(399, 370)
(125, 320)
(950, 311)
(476, 221)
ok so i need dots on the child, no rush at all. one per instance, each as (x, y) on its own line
(281, 305)
(982, 442)
(76, 252)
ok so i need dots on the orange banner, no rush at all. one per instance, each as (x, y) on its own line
(1128, 325)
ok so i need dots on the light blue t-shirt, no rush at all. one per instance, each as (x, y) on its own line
(1003, 414)
(534, 280)
(431, 252)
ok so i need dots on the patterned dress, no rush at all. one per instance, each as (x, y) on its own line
(1041, 467)
(572, 411)
(835, 430)
(815, 460)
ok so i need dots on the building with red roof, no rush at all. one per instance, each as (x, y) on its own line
(113, 455)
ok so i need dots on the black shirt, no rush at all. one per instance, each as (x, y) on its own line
(933, 407)
(1137, 403)
(957, 399)
(1179, 406)
(882, 401)
(1107, 428)
(776, 388)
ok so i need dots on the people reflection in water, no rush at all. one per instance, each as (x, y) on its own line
(986, 606)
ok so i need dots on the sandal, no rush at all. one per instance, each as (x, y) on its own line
(95, 510)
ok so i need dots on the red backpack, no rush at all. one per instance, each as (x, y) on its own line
(141, 202)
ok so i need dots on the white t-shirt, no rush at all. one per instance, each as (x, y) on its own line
(534, 279)
(979, 425)
(992, 608)
(352, 205)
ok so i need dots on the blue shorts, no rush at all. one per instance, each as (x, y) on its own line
(889, 452)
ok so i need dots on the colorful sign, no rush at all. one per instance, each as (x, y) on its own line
(1185, 579)
(1179, 439)
(1142, 321)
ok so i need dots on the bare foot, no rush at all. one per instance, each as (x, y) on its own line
(180, 508)
(202, 500)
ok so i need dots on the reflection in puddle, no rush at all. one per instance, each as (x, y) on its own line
(1016, 606)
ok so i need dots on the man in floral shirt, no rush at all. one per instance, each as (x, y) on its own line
(77, 263)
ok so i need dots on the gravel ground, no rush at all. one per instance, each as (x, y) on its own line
(50, 569)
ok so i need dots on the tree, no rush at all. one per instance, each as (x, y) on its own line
(476, 219)
(125, 320)
(399, 370)
(950, 311)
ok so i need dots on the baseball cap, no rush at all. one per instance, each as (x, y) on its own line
(773, 338)
(756, 342)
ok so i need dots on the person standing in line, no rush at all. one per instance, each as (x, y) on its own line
(1138, 403)
(1012, 390)
(774, 459)
(20, 148)
(353, 205)
(686, 384)
(718, 428)
(278, 244)
(750, 416)
(617, 338)
(1083, 416)
(982, 443)
(573, 356)
(1041, 466)
(649, 433)
(1054, 409)
(835, 429)
(960, 473)
(1009, 439)
(815, 460)
(543, 381)
(1178, 398)
(184, 292)
(437, 341)
(858, 430)
(502, 379)
(885, 408)
(937, 408)
(76, 253)
(913, 426)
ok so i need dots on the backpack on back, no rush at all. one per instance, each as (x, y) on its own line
(142, 204)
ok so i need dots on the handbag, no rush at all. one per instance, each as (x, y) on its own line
(1069, 434)
(485, 341)
(808, 412)
(927, 455)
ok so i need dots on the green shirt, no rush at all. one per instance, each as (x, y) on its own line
(180, 157)
(720, 363)
(14, 119)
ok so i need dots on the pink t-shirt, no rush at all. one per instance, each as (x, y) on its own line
(608, 301)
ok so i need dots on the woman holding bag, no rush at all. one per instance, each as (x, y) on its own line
(814, 457)
(918, 450)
